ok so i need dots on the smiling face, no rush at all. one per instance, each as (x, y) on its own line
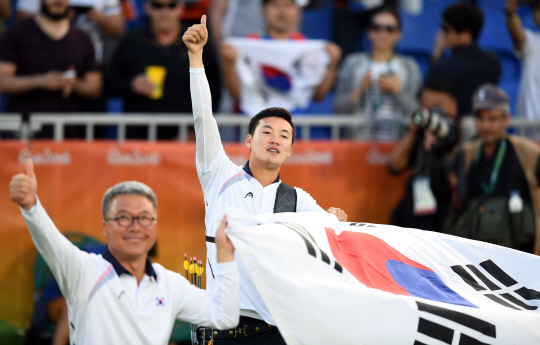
(133, 242)
(271, 143)
(384, 31)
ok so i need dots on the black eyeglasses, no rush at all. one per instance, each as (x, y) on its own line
(126, 220)
(387, 28)
(170, 5)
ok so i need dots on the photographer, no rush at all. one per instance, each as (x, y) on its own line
(430, 141)
(499, 196)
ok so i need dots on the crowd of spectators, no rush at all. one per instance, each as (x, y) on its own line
(138, 59)
(63, 56)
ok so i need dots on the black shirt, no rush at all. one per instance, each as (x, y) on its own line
(467, 69)
(431, 165)
(139, 49)
(26, 46)
(511, 176)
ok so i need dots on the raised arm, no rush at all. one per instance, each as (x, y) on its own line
(62, 257)
(206, 130)
(328, 82)
(514, 24)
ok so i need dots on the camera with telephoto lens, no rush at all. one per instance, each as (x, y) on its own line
(441, 125)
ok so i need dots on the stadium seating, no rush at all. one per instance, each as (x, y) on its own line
(491, 5)
(525, 14)
(417, 40)
(317, 22)
(433, 9)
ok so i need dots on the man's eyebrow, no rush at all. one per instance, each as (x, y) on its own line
(270, 127)
(283, 130)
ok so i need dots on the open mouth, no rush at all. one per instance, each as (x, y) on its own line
(273, 150)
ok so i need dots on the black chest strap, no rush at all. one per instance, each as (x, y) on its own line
(285, 199)
(285, 202)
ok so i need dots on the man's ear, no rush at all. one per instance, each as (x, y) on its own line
(249, 137)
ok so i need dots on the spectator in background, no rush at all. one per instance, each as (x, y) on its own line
(282, 19)
(149, 70)
(424, 153)
(498, 178)
(103, 21)
(5, 13)
(350, 18)
(98, 18)
(468, 66)
(380, 85)
(46, 64)
(527, 46)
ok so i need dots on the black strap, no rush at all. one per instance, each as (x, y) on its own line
(285, 202)
(285, 199)
(246, 327)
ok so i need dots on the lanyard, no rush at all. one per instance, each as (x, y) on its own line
(488, 189)
(375, 97)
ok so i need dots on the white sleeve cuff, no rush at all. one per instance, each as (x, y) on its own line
(196, 70)
(32, 211)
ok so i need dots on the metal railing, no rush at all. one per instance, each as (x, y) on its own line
(14, 123)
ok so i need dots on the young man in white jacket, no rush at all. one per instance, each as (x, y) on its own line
(254, 187)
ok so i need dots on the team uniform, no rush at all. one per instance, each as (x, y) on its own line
(225, 185)
(107, 306)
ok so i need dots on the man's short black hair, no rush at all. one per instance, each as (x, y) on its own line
(439, 85)
(387, 9)
(272, 112)
(464, 16)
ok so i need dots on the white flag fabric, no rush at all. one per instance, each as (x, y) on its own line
(360, 283)
(278, 73)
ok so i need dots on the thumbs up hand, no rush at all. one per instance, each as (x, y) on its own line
(23, 187)
(196, 36)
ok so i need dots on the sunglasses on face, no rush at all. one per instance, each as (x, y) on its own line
(170, 5)
(387, 28)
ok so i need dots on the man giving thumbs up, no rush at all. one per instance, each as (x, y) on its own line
(119, 296)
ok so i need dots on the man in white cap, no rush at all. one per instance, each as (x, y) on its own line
(497, 196)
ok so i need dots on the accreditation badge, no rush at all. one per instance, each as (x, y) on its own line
(424, 202)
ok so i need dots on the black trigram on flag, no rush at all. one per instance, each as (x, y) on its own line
(448, 326)
(505, 290)
(311, 244)
(362, 224)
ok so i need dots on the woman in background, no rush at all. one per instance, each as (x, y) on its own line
(381, 85)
